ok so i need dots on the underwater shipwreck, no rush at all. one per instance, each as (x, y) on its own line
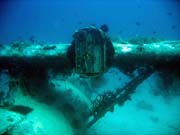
(60, 78)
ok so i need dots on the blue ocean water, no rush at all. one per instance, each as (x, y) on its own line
(54, 21)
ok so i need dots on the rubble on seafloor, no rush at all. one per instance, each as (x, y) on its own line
(56, 103)
(16, 124)
(8, 119)
(28, 116)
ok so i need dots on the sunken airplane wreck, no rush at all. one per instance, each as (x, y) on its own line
(30, 67)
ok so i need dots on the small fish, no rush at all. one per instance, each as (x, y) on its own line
(144, 106)
(139, 6)
(121, 31)
(138, 23)
(32, 39)
(154, 32)
(62, 19)
(173, 27)
(170, 13)
(24, 110)
(154, 119)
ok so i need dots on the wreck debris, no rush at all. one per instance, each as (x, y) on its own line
(24, 110)
(104, 103)
(35, 57)
(8, 119)
(91, 51)
(127, 55)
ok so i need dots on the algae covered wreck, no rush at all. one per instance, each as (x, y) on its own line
(57, 79)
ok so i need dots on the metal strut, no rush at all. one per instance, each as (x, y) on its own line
(105, 102)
